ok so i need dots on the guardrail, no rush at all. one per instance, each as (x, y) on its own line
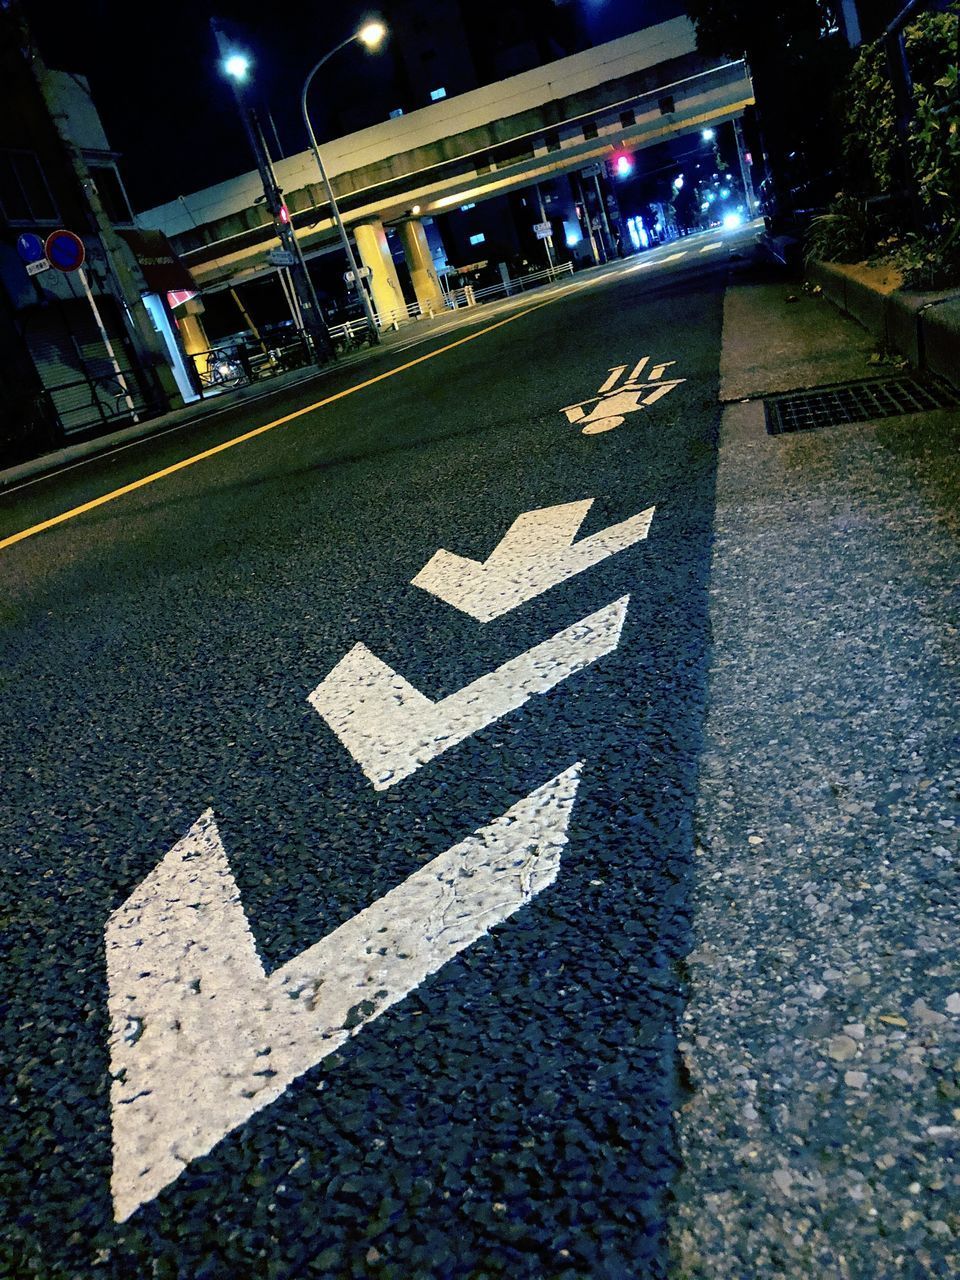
(507, 288)
(223, 368)
(226, 367)
(468, 296)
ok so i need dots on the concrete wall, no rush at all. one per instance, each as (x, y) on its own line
(924, 327)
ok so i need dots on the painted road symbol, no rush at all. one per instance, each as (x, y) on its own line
(391, 728)
(613, 402)
(202, 1038)
(537, 552)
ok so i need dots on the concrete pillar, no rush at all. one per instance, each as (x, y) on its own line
(419, 260)
(193, 340)
(192, 333)
(374, 253)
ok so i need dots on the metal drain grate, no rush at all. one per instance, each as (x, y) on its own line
(854, 402)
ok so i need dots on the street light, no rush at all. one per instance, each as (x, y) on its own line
(236, 66)
(708, 135)
(370, 34)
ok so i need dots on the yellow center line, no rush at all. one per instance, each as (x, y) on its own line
(72, 514)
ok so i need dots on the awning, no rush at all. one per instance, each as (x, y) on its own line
(162, 269)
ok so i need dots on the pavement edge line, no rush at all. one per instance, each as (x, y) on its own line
(162, 474)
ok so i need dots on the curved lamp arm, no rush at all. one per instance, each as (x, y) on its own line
(341, 229)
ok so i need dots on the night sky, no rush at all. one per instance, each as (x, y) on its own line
(166, 107)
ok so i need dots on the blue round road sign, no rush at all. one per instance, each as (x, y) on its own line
(65, 250)
(30, 247)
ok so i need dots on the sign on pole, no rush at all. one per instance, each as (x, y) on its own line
(65, 250)
(281, 258)
(30, 250)
(542, 230)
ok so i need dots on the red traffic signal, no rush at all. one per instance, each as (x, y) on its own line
(284, 215)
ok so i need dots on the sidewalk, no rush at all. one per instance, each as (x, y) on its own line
(822, 1034)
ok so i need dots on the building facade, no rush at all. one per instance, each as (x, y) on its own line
(82, 348)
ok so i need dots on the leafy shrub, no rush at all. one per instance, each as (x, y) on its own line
(843, 234)
(929, 258)
(929, 261)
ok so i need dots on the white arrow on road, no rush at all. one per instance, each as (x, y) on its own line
(391, 728)
(536, 553)
(202, 1039)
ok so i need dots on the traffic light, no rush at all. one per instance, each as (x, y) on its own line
(284, 215)
(623, 164)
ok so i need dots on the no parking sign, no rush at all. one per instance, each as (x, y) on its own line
(65, 250)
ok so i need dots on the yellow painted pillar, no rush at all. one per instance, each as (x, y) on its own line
(374, 253)
(419, 260)
(192, 333)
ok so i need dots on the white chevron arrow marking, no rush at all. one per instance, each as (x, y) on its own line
(202, 1039)
(536, 553)
(391, 728)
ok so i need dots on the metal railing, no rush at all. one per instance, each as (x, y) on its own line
(512, 285)
(352, 335)
(225, 367)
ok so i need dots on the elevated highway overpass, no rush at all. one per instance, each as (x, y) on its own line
(631, 93)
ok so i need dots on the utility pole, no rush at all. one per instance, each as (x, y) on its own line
(313, 323)
(548, 240)
(746, 177)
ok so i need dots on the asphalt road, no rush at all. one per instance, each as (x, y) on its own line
(511, 1115)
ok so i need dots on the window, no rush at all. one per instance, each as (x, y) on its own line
(551, 140)
(627, 118)
(112, 195)
(397, 111)
(589, 131)
(24, 194)
(437, 94)
(478, 238)
(667, 105)
(465, 207)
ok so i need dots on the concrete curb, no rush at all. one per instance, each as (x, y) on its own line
(924, 327)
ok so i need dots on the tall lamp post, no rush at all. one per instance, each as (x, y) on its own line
(370, 34)
(237, 66)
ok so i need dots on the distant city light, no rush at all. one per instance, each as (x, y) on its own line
(732, 220)
(638, 233)
(437, 94)
(237, 66)
(708, 135)
(724, 192)
(478, 238)
(678, 182)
